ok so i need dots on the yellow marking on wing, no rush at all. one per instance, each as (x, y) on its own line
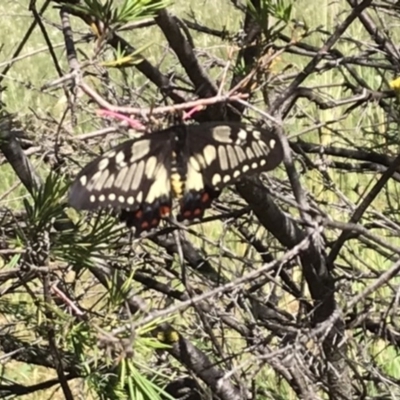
(177, 185)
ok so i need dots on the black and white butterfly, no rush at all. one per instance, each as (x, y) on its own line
(191, 163)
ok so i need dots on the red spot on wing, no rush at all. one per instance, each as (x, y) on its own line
(205, 198)
(155, 222)
(147, 216)
(165, 211)
(197, 212)
(144, 225)
(139, 214)
(193, 204)
(187, 214)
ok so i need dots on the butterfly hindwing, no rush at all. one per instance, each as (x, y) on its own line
(195, 202)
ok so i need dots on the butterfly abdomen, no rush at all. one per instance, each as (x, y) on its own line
(179, 164)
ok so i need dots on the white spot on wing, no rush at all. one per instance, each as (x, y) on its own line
(138, 175)
(216, 179)
(195, 164)
(102, 198)
(262, 162)
(130, 200)
(110, 182)
(233, 161)
(112, 197)
(201, 160)
(160, 187)
(256, 134)
(92, 198)
(272, 143)
(222, 158)
(120, 159)
(249, 152)
(83, 180)
(236, 174)
(227, 178)
(264, 147)
(256, 149)
(121, 199)
(240, 153)
(194, 179)
(101, 180)
(126, 184)
(139, 197)
(222, 134)
(151, 166)
(245, 168)
(103, 164)
(93, 180)
(242, 135)
(121, 177)
(254, 165)
(140, 148)
(210, 154)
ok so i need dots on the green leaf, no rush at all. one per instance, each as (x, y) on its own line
(280, 10)
(113, 16)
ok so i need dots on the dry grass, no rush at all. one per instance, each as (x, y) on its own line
(34, 68)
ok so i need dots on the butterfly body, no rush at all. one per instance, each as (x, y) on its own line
(140, 177)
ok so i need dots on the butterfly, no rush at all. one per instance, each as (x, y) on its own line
(140, 177)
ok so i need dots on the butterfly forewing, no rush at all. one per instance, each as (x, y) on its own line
(224, 152)
(220, 154)
(132, 174)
